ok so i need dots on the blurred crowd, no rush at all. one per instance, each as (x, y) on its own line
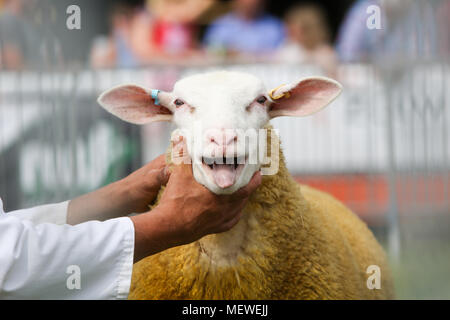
(209, 31)
(238, 31)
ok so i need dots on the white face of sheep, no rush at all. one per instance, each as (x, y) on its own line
(221, 109)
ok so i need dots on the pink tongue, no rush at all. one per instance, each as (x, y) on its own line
(224, 175)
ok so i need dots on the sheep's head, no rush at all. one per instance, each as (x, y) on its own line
(218, 114)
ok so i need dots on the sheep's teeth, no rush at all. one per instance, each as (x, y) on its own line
(235, 161)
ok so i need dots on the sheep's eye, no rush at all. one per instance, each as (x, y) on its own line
(261, 100)
(179, 102)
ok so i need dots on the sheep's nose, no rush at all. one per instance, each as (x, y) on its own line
(223, 138)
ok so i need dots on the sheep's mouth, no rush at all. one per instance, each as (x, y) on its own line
(224, 171)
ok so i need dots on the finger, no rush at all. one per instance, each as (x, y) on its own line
(159, 162)
(181, 169)
(164, 176)
(250, 187)
(179, 153)
(178, 146)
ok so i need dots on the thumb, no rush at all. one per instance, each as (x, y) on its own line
(164, 175)
(179, 153)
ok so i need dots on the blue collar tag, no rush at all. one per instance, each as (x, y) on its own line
(154, 94)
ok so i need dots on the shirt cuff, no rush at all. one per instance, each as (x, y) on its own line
(126, 262)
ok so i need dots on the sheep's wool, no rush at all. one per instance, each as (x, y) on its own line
(293, 242)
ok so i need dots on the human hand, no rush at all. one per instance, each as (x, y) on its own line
(144, 184)
(186, 212)
(191, 211)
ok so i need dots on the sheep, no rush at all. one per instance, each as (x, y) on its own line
(292, 242)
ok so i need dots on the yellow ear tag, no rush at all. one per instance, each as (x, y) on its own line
(286, 94)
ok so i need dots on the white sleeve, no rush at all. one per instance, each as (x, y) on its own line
(50, 213)
(92, 260)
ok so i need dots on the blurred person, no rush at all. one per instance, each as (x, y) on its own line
(167, 30)
(163, 29)
(19, 41)
(308, 38)
(408, 32)
(443, 21)
(116, 49)
(355, 41)
(173, 28)
(248, 29)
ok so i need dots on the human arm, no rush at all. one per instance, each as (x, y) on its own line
(37, 261)
(132, 194)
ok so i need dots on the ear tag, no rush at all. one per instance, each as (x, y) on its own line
(154, 95)
(286, 94)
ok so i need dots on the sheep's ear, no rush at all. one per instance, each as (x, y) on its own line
(304, 97)
(136, 105)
